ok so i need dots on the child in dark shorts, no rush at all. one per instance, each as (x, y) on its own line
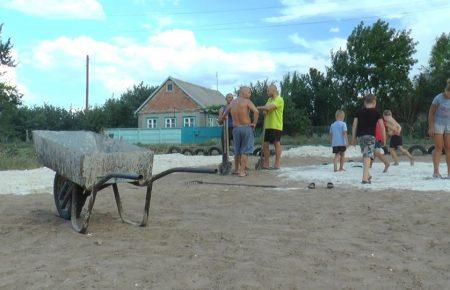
(364, 125)
(339, 140)
(378, 151)
(396, 143)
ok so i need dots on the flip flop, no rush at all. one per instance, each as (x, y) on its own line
(437, 176)
(330, 185)
(245, 175)
(366, 182)
(312, 185)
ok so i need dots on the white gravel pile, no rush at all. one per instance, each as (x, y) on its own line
(21, 182)
(320, 151)
(404, 176)
(166, 161)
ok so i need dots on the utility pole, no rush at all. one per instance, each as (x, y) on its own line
(217, 81)
(87, 83)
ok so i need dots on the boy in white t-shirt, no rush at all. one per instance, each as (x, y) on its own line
(339, 140)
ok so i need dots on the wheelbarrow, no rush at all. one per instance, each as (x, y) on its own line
(86, 162)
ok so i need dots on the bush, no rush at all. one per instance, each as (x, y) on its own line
(296, 121)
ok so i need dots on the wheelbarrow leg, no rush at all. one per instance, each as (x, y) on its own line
(148, 196)
(80, 223)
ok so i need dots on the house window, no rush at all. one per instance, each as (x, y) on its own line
(170, 122)
(151, 123)
(188, 121)
(211, 122)
(169, 87)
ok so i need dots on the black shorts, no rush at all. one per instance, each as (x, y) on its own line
(339, 149)
(272, 135)
(396, 141)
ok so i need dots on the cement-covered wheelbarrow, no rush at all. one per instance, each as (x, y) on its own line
(86, 162)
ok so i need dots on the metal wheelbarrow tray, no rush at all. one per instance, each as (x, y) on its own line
(86, 162)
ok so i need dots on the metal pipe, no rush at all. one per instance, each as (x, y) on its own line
(107, 177)
(183, 169)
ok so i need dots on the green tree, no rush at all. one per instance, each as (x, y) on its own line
(378, 60)
(430, 81)
(120, 112)
(439, 65)
(10, 98)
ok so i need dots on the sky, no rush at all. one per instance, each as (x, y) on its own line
(146, 41)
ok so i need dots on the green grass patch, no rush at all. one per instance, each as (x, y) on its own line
(18, 156)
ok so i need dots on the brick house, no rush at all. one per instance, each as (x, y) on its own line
(177, 104)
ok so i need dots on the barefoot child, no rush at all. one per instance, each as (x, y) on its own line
(339, 140)
(379, 152)
(393, 130)
(364, 126)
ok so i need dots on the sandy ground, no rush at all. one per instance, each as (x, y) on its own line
(215, 237)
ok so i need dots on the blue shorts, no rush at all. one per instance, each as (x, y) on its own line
(243, 140)
(441, 129)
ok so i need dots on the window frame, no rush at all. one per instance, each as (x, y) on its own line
(211, 122)
(192, 124)
(171, 87)
(174, 123)
(155, 120)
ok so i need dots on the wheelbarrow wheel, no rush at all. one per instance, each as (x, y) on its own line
(62, 193)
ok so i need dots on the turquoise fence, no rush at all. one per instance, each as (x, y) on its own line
(199, 134)
(146, 136)
(165, 136)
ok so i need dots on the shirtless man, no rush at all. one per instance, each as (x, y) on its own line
(243, 137)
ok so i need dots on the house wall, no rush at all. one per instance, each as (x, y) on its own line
(169, 104)
(201, 119)
(164, 101)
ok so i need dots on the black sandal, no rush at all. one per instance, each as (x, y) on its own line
(330, 185)
(312, 185)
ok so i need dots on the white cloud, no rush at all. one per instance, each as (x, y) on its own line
(301, 9)
(425, 28)
(319, 46)
(426, 19)
(80, 9)
(8, 75)
(334, 29)
(119, 64)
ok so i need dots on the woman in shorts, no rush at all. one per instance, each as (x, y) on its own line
(439, 129)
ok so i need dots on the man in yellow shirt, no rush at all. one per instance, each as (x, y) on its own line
(273, 124)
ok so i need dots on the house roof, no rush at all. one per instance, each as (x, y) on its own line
(204, 97)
